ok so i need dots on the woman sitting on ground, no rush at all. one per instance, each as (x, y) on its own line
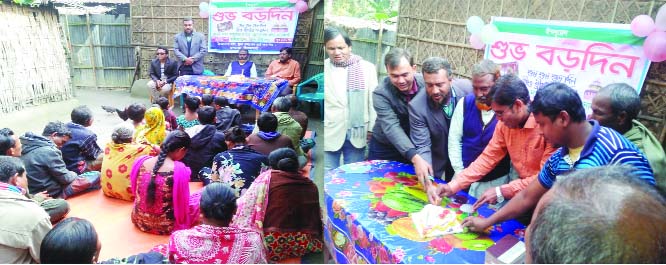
(224, 243)
(238, 166)
(72, 241)
(268, 139)
(285, 205)
(160, 184)
(154, 130)
(119, 155)
(190, 117)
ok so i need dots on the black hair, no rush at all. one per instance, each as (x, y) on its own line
(81, 115)
(73, 240)
(6, 140)
(207, 99)
(267, 122)
(9, 167)
(206, 115)
(57, 127)
(395, 55)
(192, 103)
(164, 49)
(555, 97)
(163, 102)
(284, 159)
(333, 32)
(136, 111)
(218, 202)
(221, 101)
(507, 89)
(175, 140)
(287, 49)
(235, 135)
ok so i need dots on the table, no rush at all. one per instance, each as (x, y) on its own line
(259, 93)
(357, 231)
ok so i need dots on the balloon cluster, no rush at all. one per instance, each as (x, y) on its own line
(482, 33)
(203, 9)
(654, 46)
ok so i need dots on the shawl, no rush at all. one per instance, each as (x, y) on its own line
(154, 131)
(183, 215)
(117, 165)
(355, 95)
(212, 244)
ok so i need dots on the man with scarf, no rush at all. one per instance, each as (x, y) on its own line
(430, 115)
(349, 116)
(390, 135)
(472, 126)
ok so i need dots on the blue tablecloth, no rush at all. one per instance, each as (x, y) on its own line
(259, 93)
(356, 231)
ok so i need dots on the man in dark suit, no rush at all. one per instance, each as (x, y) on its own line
(430, 114)
(163, 71)
(190, 48)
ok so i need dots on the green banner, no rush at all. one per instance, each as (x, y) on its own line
(591, 34)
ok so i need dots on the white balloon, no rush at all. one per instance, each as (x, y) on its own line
(489, 33)
(660, 20)
(474, 24)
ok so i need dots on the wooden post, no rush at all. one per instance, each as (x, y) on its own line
(92, 50)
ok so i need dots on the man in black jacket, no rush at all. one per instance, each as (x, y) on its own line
(207, 141)
(163, 72)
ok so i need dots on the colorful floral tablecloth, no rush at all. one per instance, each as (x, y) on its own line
(360, 229)
(259, 93)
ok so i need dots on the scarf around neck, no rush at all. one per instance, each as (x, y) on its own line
(355, 95)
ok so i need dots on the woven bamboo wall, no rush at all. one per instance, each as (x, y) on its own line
(33, 66)
(155, 23)
(429, 29)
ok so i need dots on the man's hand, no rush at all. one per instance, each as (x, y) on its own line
(489, 196)
(369, 136)
(189, 61)
(476, 224)
(160, 83)
(423, 170)
(42, 196)
(436, 192)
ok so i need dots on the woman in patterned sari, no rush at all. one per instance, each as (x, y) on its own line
(119, 155)
(238, 166)
(285, 206)
(215, 241)
(160, 184)
(154, 130)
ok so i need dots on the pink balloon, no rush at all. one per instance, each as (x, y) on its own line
(301, 6)
(660, 19)
(293, 1)
(655, 46)
(203, 14)
(642, 25)
(476, 42)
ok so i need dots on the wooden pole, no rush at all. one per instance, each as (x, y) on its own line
(92, 50)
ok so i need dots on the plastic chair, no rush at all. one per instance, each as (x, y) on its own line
(315, 97)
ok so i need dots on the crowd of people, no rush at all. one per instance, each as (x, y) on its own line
(488, 137)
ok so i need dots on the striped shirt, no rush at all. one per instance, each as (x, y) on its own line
(604, 146)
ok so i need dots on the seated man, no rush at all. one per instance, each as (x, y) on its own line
(559, 111)
(226, 117)
(287, 125)
(56, 208)
(472, 126)
(81, 153)
(517, 135)
(616, 218)
(163, 72)
(616, 106)
(23, 224)
(134, 112)
(267, 139)
(46, 168)
(285, 68)
(206, 142)
(243, 66)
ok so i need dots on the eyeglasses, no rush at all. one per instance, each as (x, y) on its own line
(161, 53)
(500, 113)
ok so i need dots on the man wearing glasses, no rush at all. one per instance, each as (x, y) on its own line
(517, 134)
(163, 71)
(285, 68)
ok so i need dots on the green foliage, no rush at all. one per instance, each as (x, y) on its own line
(24, 2)
(382, 10)
(377, 10)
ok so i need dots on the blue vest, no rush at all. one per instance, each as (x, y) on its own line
(475, 138)
(237, 69)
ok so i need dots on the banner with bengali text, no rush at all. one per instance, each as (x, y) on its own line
(261, 26)
(584, 55)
